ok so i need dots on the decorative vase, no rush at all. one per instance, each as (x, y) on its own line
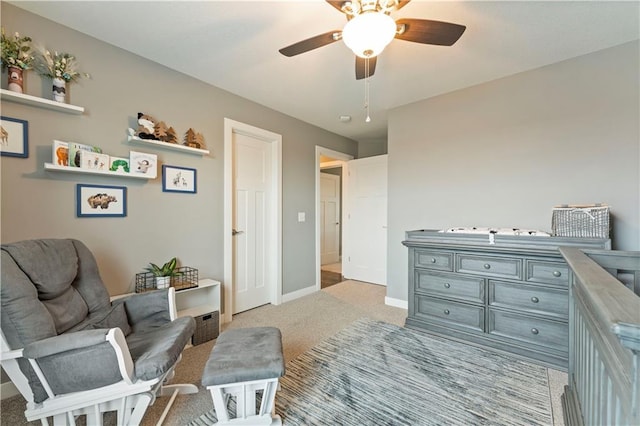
(15, 79)
(163, 282)
(59, 89)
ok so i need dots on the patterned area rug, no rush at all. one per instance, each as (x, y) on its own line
(375, 373)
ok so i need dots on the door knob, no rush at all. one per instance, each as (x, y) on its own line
(234, 232)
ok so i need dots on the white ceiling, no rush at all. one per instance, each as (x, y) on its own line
(234, 45)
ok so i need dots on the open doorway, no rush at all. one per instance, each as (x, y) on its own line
(331, 174)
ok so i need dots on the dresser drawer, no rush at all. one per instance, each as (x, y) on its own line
(504, 267)
(452, 314)
(542, 271)
(450, 286)
(434, 259)
(535, 299)
(535, 331)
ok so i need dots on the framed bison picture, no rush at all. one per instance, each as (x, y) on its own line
(101, 201)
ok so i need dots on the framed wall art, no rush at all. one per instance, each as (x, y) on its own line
(101, 201)
(178, 179)
(14, 137)
(142, 163)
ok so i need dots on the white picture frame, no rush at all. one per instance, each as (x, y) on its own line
(142, 163)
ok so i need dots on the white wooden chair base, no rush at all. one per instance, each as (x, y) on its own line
(245, 395)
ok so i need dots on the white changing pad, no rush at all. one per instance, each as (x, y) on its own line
(500, 231)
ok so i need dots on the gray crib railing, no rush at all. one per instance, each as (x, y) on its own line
(604, 338)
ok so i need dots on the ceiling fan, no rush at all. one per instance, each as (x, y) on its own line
(370, 29)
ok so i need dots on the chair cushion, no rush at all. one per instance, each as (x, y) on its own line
(114, 316)
(155, 350)
(48, 287)
(245, 354)
(65, 275)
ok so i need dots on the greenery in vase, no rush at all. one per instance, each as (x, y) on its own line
(167, 270)
(16, 51)
(58, 65)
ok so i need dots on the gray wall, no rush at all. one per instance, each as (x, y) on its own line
(372, 147)
(504, 153)
(38, 204)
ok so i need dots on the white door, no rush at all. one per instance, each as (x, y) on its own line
(252, 176)
(365, 240)
(330, 218)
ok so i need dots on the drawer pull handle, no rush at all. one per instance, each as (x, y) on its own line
(557, 273)
(535, 299)
(487, 266)
(534, 331)
(433, 260)
(446, 312)
(447, 285)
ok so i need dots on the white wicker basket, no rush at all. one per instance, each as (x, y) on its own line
(586, 221)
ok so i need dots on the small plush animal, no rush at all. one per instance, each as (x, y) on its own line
(146, 126)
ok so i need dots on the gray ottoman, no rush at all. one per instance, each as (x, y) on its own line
(243, 361)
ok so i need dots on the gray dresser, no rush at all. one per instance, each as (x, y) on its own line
(509, 293)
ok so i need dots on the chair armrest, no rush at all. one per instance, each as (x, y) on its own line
(67, 363)
(65, 342)
(151, 307)
(14, 354)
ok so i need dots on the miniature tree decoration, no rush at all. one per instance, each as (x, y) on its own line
(160, 131)
(193, 139)
(172, 136)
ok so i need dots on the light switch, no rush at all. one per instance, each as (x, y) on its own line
(301, 217)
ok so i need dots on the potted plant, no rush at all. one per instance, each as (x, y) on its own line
(61, 68)
(165, 273)
(17, 56)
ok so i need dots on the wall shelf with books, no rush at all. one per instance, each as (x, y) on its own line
(22, 98)
(68, 169)
(174, 146)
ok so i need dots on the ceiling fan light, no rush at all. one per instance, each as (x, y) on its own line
(369, 33)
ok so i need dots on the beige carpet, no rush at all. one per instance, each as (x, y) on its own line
(304, 322)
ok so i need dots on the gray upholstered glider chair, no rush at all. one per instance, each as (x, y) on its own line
(70, 351)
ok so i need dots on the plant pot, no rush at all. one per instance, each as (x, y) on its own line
(163, 282)
(15, 75)
(59, 90)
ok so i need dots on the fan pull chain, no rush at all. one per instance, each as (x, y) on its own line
(366, 88)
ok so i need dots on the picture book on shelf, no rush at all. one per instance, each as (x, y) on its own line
(74, 152)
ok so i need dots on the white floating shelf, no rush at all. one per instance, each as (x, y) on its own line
(67, 169)
(21, 98)
(174, 146)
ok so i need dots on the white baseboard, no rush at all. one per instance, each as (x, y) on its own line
(298, 294)
(397, 303)
(7, 390)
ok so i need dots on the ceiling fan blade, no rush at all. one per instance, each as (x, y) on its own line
(361, 68)
(311, 43)
(430, 32)
(402, 3)
(336, 4)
